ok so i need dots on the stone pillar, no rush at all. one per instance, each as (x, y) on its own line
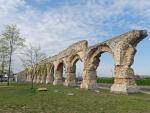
(124, 80)
(57, 77)
(70, 79)
(50, 74)
(89, 74)
(89, 79)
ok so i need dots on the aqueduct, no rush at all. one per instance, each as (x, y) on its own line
(122, 48)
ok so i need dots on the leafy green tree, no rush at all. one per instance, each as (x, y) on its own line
(14, 41)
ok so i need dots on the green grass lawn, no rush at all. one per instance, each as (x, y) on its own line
(19, 98)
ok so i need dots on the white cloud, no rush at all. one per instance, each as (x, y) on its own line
(56, 28)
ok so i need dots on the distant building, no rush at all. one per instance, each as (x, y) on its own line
(4, 77)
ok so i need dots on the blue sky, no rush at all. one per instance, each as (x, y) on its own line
(55, 24)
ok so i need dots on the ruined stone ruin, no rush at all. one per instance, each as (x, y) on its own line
(122, 48)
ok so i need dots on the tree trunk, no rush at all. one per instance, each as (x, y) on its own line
(33, 74)
(10, 59)
(32, 83)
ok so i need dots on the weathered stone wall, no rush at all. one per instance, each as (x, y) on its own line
(122, 49)
(75, 48)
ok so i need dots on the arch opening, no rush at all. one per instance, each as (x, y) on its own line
(101, 64)
(105, 69)
(61, 71)
(77, 69)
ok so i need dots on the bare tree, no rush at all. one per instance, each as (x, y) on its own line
(32, 57)
(14, 41)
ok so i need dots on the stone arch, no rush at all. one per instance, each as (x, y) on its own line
(92, 60)
(122, 48)
(59, 64)
(60, 68)
(58, 72)
(91, 63)
(73, 60)
(71, 70)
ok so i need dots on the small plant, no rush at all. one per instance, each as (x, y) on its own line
(33, 90)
